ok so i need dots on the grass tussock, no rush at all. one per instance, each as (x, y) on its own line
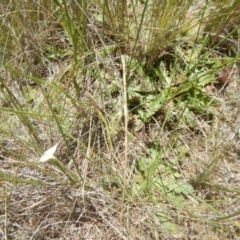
(119, 119)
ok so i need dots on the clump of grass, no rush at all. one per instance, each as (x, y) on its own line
(131, 92)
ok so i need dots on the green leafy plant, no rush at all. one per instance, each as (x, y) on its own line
(154, 173)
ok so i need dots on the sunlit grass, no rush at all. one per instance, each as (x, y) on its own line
(128, 91)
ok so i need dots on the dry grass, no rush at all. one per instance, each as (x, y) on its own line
(144, 100)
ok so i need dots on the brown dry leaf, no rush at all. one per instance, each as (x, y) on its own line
(225, 76)
(211, 90)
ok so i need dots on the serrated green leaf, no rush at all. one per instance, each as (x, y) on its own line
(184, 188)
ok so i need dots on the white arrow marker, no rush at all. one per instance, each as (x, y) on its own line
(49, 154)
